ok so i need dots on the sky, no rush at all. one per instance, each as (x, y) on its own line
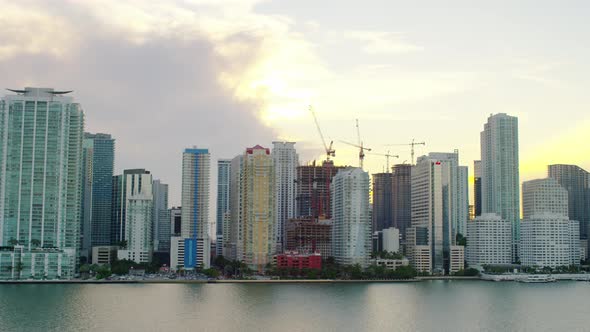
(162, 75)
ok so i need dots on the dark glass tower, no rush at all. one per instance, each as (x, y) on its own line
(402, 197)
(382, 201)
(575, 180)
(98, 163)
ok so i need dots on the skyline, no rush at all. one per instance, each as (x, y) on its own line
(213, 73)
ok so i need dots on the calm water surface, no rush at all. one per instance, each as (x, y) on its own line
(424, 306)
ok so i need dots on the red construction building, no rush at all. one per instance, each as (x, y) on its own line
(293, 259)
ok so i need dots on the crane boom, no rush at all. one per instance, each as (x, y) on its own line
(330, 152)
(412, 144)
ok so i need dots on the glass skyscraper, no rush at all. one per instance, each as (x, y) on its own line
(98, 163)
(500, 186)
(195, 207)
(41, 133)
(223, 210)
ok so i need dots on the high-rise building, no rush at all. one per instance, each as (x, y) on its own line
(439, 206)
(233, 235)
(351, 230)
(195, 207)
(136, 206)
(577, 183)
(549, 240)
(382, 201)
(313, 189)
(41, 134)
(500, 186)
(161, 222)
(285, 162)
(257, 241)
(548, 236)
(543, 196)
(223, 198)
(477, 187)
(489, 241)
(401, 193)
(98, 161)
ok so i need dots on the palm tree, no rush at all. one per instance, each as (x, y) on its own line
(35, 243)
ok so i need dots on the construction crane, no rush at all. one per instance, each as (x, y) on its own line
(387, 156)
(330, 152)
(359, 145)
(412, 144)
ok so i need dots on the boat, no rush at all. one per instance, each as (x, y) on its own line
(539, 278)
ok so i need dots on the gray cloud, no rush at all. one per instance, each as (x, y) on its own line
(156, 97)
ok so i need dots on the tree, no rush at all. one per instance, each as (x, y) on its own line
(211, 273)
(122, 244)
(35, 243)
(103, 272)
(461, 240)
(356, 272)
(13, 242)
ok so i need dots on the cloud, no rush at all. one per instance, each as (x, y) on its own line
(383, 42)
(158, 76)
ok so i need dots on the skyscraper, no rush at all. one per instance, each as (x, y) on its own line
(477, 187)
(223, 207)
(382, 201)
(285, 162)
(351, 230)
(577, 183)
(257, 241)
(41, 133)
(438, 205)
(401, 213)
(231, 250)
(98, 163)
(161, 219)
(500, 184)
(195, 207)
(134, 197)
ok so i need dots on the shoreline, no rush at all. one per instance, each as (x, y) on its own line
(285, 281)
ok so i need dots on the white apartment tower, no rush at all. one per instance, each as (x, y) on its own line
(500, 184)
(544, 196)
(195, 207)
(285, 161)
(351, 231)
(138, 216)
(548, 237)
(489, 241)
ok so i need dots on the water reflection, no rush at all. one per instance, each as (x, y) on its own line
(425, 306)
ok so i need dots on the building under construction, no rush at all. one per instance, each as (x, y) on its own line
(308, 235)
(313, 189)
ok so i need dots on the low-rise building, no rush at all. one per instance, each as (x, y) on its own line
(457, 259)
(421, 258)
(176, 253)
(390, 264)
(19, 263)
(294, 259)
(104, 255)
